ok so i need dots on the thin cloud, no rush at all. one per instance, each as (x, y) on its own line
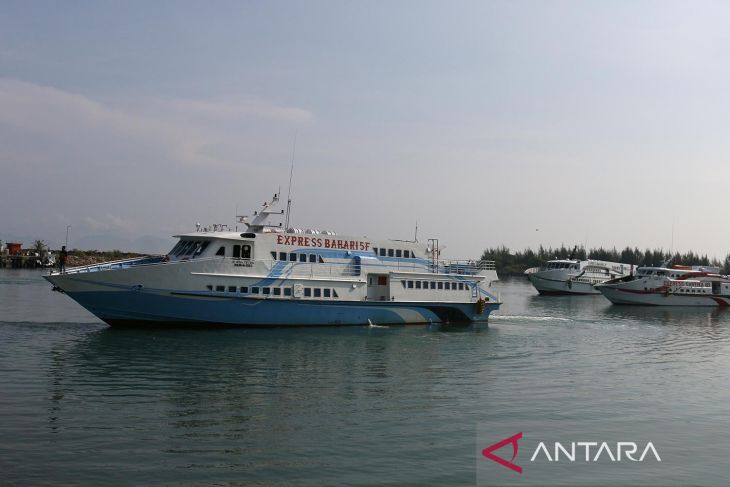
(109, 222)
(177, 132)
(236, 109)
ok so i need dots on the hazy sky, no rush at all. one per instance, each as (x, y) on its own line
(490, 123)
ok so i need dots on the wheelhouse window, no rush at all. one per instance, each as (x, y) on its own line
(231, 289)
(307, 292)
(390, 253)
(282, 255)
(407, 254)
(200, 247)
(327, 293)
(184, 249)
(236, 251)
(244, 289)
(254, 290)
(302, 257)
(220, 289)
(398, 253)
(266, 290)
(277, 291)
(382, 252)
(245, 251)
(173, 251)
(312, 258)
(221, 251)
(287, 291)
(317, 292)
(292, 257)
(181, 247)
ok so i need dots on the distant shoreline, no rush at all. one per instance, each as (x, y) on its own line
(30, 259)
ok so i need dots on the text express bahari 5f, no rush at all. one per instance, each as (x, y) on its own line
(271, 276)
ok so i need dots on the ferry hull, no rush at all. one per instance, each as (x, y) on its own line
(552, 286)
(633, 297)
(147, 308)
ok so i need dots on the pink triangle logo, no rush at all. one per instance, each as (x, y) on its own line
(487, 452)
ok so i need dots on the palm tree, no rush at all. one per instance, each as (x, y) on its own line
(39, 247)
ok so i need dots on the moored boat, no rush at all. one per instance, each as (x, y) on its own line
(670, 286)
(272, 276)
(572, 276)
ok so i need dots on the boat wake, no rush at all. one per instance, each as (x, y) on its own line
(373, 325)
(496, 317)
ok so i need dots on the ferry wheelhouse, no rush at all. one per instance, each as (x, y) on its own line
(670, 286)
(271, 276)
(571, 276)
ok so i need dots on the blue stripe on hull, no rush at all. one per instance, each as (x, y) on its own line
(140, 307)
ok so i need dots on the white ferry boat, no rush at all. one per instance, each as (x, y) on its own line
(570, 276)
(269, 276)
(670, 286)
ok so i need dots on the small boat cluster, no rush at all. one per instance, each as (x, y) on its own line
(666, 285)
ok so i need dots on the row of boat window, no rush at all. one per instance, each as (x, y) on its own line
(454, 286)
(239, 251)
(394, 253)
(649, 272)
(309, 292)
(186, 248)
(561, 265)
(297, 257)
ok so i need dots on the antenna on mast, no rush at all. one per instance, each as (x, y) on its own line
(291, 174)
(415, 235)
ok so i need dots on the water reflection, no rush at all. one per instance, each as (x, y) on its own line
(213, 383)
(668, 314)
(347, 405)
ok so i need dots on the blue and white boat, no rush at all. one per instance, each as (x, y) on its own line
(272, 276)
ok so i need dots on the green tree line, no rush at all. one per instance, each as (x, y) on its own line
(508, 262)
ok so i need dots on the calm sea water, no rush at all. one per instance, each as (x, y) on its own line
(85, 404)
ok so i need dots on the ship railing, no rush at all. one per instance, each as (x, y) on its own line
(110, 265)
(355, 268)
(311, 269)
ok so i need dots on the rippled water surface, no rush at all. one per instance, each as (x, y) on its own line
(82, 403)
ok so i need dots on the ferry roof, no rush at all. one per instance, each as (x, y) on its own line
(681, 269)
(243, 235)
(259, 227)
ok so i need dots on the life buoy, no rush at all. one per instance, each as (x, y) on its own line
(480, 306)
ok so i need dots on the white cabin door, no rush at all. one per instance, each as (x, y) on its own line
(378, 287)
